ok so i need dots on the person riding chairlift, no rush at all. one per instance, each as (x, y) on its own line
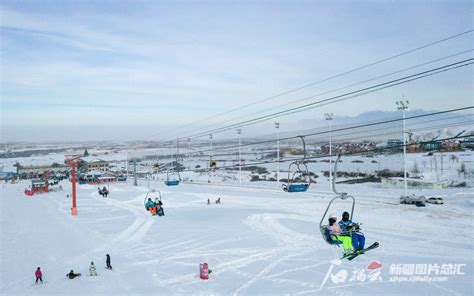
(151, 206)
(159, 207)
(347, 226)
(336, 234)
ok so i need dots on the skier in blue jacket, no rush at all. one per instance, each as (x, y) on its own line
(358, 239)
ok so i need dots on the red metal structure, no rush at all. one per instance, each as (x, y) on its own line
(72, 160)
(38, 186)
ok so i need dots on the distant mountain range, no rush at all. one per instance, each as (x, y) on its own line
(423, 128)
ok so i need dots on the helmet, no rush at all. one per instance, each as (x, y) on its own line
(333, 216)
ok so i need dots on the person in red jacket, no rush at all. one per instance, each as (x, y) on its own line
(38, 275)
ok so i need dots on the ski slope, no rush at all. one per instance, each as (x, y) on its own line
(257, 242)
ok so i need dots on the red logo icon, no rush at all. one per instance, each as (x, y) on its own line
(374, 265)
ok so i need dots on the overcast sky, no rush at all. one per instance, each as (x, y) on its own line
(122, 70)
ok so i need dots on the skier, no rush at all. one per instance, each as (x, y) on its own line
(218, 201)
(92, 269)
(105, 192)
(208, 202)
(38, 275)
(336, 234)
(358, 239)
(107, 261)
(71, 275)
(151, 206)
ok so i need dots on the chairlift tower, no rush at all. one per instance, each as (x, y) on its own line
(277, 126)
(239, 132)
(403, 106)
(210, 161)
(329, 117)
(135, 183)
(210, 138)
(73, 160)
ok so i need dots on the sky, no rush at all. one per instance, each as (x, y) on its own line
(154, 70)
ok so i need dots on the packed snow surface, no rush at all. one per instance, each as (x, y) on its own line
(259, 241)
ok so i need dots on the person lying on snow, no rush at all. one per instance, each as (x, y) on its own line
(72, 275)
(336, 234)
(347, 226)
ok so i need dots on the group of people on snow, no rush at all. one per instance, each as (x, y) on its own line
(71, 275)
(218, 201)
(155, 207)
(347, 232)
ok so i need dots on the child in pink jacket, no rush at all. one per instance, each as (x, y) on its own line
(38, 275)
(336, 234)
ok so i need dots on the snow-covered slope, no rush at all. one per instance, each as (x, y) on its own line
(257, 242)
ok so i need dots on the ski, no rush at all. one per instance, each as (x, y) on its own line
(360, 252)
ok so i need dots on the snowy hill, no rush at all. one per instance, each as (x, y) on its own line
(257, 242)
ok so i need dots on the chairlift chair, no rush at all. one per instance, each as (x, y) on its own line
(299, 178)
(339, 195)
(172, 178)
(153, 194)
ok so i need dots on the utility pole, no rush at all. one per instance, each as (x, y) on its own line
(329, 117)
(177, 149)
(403, 106)
(239, 132)
(135, 172)
(210, 137)
(277, 126)
(210, 161)
(126, 163)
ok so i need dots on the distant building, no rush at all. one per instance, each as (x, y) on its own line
(414, 148)
(432, 146)
(39, 169)
(450, 145)
(467, 143)
(395, 145)
(95, 165)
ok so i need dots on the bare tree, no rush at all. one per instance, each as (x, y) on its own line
(415, 170)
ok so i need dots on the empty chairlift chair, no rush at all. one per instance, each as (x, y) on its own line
(172, 178)
(299, 178)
